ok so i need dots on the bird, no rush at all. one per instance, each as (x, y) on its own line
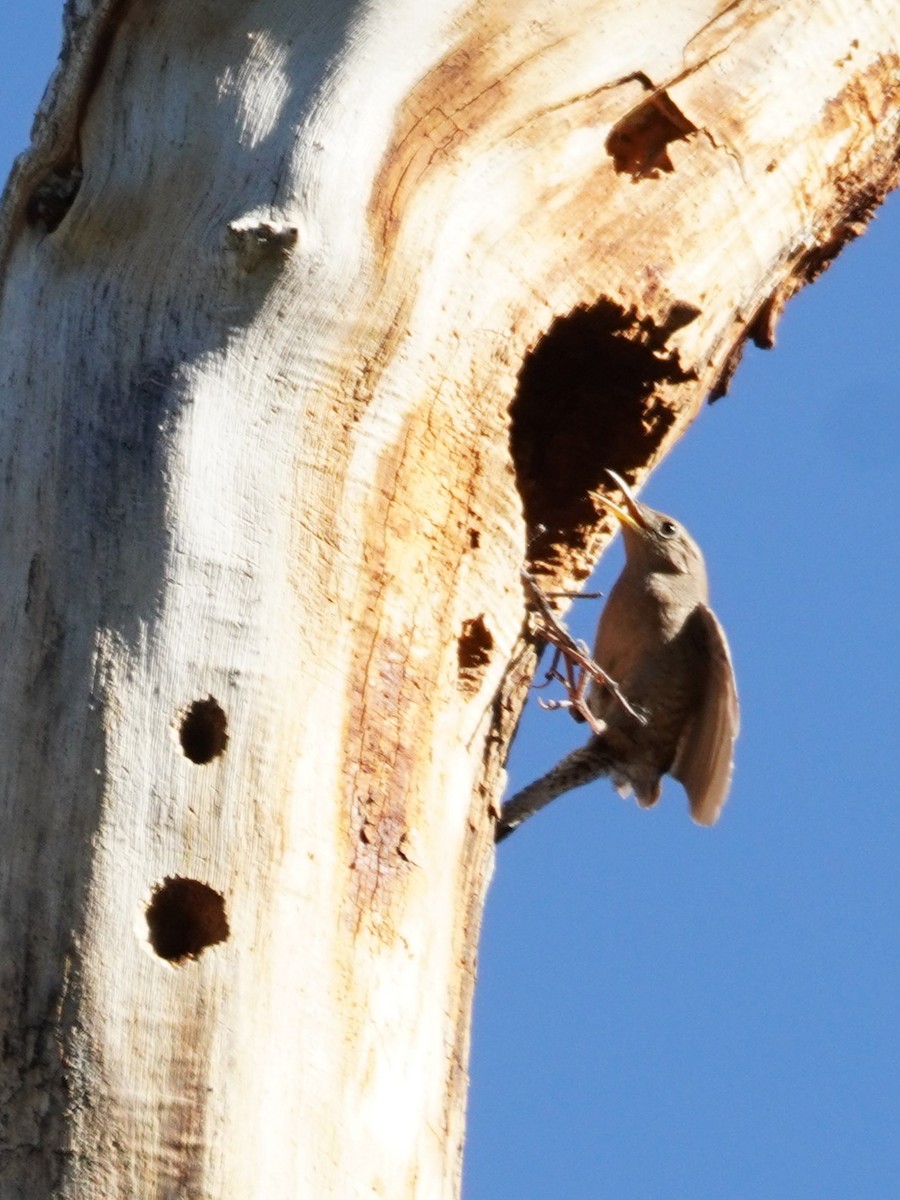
(660, 640)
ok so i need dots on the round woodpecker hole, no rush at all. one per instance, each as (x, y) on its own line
(185, 916)
(203, 731)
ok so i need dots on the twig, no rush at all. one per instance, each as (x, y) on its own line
(580, 667)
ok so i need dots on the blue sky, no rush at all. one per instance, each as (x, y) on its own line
(668, 1011)
(665, 1011)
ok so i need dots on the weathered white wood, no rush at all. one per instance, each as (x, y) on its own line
(257, 456)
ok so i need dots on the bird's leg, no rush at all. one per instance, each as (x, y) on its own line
(575, 682)
(582, 766)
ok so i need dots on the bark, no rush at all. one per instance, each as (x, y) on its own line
(311, 314)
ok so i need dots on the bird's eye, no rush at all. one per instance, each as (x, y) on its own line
(668, 528)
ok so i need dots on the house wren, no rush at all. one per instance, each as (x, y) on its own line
(660, 641)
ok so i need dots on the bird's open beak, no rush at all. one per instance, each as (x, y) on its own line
(631, 514)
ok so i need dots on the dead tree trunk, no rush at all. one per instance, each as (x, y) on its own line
(309, 312)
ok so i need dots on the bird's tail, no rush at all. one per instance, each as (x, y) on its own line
(582, 766)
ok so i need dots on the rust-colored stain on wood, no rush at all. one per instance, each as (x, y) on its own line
(417, 509)
(454, 101)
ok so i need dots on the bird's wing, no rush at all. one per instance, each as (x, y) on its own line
(705, 755)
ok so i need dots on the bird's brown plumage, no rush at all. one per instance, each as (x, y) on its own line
(660, 641)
